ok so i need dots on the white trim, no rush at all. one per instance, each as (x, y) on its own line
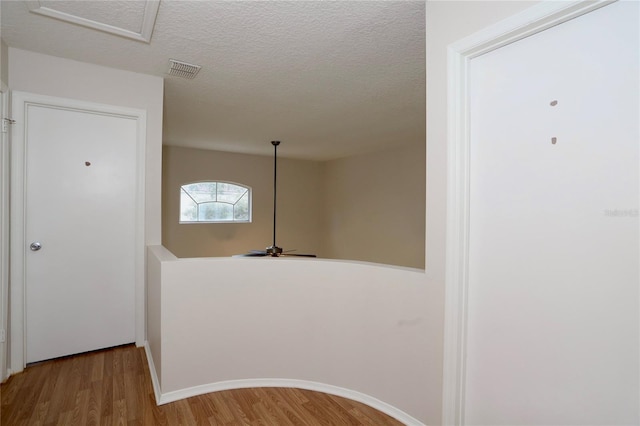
(531, 21)
(17, 246)
(291, 383)
(272, 383)
(20, 102)
(155, 381)
(5, 166)
(140, 240)
(146, 28)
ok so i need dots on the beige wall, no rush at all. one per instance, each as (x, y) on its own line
(4, 62)
(375, 206)
(334, 209)
(299, 203)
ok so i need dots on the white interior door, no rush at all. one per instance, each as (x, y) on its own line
(552, 319)
(80, 221)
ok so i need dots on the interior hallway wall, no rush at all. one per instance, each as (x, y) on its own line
(446, 23)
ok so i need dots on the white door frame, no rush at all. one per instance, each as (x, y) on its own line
(20, 102)
(4, 226)
(531, 21)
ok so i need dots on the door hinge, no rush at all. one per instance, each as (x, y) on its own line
(5, 124)
(2, 335)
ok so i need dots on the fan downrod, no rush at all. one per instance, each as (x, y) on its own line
(274, 250)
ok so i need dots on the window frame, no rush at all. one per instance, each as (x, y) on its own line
(249, 193)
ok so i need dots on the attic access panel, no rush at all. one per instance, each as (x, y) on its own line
(134, 19)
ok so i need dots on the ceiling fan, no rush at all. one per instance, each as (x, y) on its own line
(273, 250)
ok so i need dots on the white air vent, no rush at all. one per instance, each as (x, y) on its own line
(183, 69)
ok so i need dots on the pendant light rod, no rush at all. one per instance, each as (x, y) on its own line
(275, 186)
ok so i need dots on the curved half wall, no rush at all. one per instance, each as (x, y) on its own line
(367, 332)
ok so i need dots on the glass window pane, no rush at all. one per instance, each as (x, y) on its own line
(215, 202)
(210, 212)
(202, 192)
(241, 209)
(188, 208)
(229, 193)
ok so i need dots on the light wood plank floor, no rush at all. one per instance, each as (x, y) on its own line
(113, 387)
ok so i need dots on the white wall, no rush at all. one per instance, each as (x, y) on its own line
(448, 22)
(155, 255)
(367, 328)
(49, 75)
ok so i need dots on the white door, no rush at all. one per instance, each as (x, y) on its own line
(80, 216)
(552, 333)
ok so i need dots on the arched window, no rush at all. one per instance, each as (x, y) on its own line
(215, 202)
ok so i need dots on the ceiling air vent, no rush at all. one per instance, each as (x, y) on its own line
(183, 69)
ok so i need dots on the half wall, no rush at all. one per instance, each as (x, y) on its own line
(364, 331)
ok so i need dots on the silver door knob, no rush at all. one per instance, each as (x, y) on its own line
(35, 246)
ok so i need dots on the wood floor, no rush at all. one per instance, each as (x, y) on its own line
(113, 387)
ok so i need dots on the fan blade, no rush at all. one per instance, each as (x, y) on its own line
(252, 253)
(262, 253)
(289, 253)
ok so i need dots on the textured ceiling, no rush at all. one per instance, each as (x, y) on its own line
(328, 78)
(126, 14)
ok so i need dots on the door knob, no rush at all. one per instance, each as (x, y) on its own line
(35, 246)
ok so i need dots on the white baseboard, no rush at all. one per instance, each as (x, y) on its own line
(154, 374)
(292, 383)
(164, 398)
